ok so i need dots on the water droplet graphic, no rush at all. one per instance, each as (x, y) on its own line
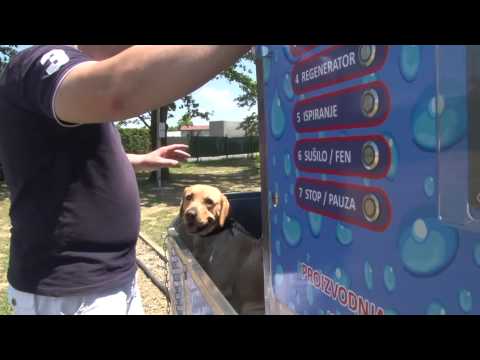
(278, 249)
(344, 234)
(391, 312)
(292, 231)
(476, 253)
(389, 278)
(436, 309)
(465, 300)
(424, 123)
(432, 106)
(394, 152)
(368, 274)
(310, 295)
(277, 120)
(369, 78)
(341, 277)
(429, 186)
(278, 276)
(288, 54)
(424, 130)
(275, 55)
(266, 62)
(432, 254)
(264, 51)
(287, 86)
(287, 164)
(419, 230)
(410, 59)
(315, 222)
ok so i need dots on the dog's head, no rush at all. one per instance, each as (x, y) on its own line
(203, 209)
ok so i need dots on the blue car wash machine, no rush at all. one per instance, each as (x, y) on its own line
(370, 196)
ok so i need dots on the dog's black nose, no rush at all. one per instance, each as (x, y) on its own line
(191, 214)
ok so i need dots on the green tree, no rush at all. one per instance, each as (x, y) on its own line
(237, 74)
(6, 52)
(240, 75)
(188, 104)
(185, 120)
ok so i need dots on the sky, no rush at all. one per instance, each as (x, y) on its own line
(217, 96)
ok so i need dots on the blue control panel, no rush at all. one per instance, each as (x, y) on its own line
(370, 179)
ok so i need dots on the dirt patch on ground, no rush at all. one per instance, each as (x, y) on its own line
(154, 301)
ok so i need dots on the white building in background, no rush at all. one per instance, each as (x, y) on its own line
(174, 134)
(195, 130)
(220, 128)
(226, 129)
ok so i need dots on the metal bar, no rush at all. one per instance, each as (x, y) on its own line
(154, 246)
(210, 292)
(152, 277)
(265, 238)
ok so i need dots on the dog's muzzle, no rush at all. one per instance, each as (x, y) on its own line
(195, 226)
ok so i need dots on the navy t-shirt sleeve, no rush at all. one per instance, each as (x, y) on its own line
(45, 67)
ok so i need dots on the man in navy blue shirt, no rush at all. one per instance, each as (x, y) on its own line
(75, 208)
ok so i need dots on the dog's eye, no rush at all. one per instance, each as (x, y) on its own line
(188, 197)
(208, 201)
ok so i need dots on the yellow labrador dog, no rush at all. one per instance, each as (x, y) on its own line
(228, 254)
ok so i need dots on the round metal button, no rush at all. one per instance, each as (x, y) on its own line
(369, 103)
(370, 155)
(370, 207)
(366, 54)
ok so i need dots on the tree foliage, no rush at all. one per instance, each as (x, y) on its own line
(6, 52)
(237, 74)
(240, 75)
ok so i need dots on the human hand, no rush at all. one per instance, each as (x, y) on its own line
(164, 157)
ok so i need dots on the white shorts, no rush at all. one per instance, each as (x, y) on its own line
(125, 300)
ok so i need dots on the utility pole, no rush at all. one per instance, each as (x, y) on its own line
(159, 139)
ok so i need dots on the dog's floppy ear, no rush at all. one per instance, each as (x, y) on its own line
(181, 201)
(224, 210)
